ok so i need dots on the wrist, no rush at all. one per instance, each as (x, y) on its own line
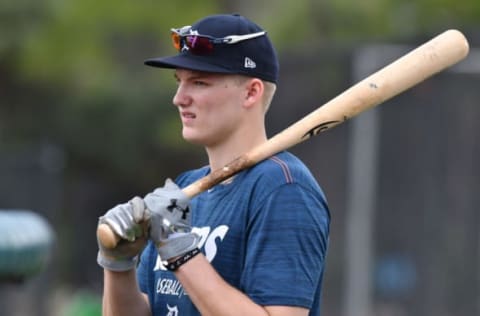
(115, 264)
(177, 262)
(177, 245)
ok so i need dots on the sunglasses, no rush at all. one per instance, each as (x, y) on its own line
(204, 44)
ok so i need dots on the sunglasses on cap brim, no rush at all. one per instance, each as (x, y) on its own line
(184, 39)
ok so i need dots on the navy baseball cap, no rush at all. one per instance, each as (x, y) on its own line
(237, 46)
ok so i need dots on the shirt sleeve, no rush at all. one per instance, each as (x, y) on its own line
(287, 242)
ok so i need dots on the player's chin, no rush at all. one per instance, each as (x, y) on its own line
(192, 137)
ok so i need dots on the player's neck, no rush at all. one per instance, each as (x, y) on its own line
(223, 153)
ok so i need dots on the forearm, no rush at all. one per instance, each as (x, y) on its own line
(211, 294)
(121, 295)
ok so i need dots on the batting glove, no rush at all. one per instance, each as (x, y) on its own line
(130, 221)
(170, 228)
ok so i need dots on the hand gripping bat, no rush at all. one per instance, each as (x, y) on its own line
(437, 54)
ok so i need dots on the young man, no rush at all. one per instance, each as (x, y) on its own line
(253, 245)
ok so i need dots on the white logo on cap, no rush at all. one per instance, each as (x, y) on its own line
(250, 63)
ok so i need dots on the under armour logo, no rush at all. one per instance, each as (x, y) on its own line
(173, 205)
(250, 63)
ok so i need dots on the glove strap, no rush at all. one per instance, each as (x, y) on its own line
(174, 265)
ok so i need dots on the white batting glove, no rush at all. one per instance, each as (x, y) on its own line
(170, 221)
(130, 221)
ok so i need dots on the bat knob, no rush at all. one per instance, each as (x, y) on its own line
(107, 237)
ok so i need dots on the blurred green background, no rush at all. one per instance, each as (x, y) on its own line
(84, 126)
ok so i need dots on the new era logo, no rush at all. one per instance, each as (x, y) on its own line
(250, 63)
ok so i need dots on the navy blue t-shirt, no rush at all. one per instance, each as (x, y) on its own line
(265, 232)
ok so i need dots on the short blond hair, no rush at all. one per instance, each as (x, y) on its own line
(268, 92)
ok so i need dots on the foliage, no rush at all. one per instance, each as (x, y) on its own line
(83, 303)
(82, 65)
(306, 23)
(91, 44)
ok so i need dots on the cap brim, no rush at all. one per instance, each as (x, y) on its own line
(184, 61)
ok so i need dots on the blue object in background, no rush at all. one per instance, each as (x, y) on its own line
(395, 275)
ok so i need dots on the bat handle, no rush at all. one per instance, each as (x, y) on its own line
(107, 237)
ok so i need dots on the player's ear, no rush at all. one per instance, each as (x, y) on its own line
(254, 91)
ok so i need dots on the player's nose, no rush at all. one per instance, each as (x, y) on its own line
(181, 97)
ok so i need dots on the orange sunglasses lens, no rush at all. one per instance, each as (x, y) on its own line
(177, 41)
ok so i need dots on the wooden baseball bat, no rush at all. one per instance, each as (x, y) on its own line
(426, 60)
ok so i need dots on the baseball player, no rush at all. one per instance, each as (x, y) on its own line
(255, 244)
